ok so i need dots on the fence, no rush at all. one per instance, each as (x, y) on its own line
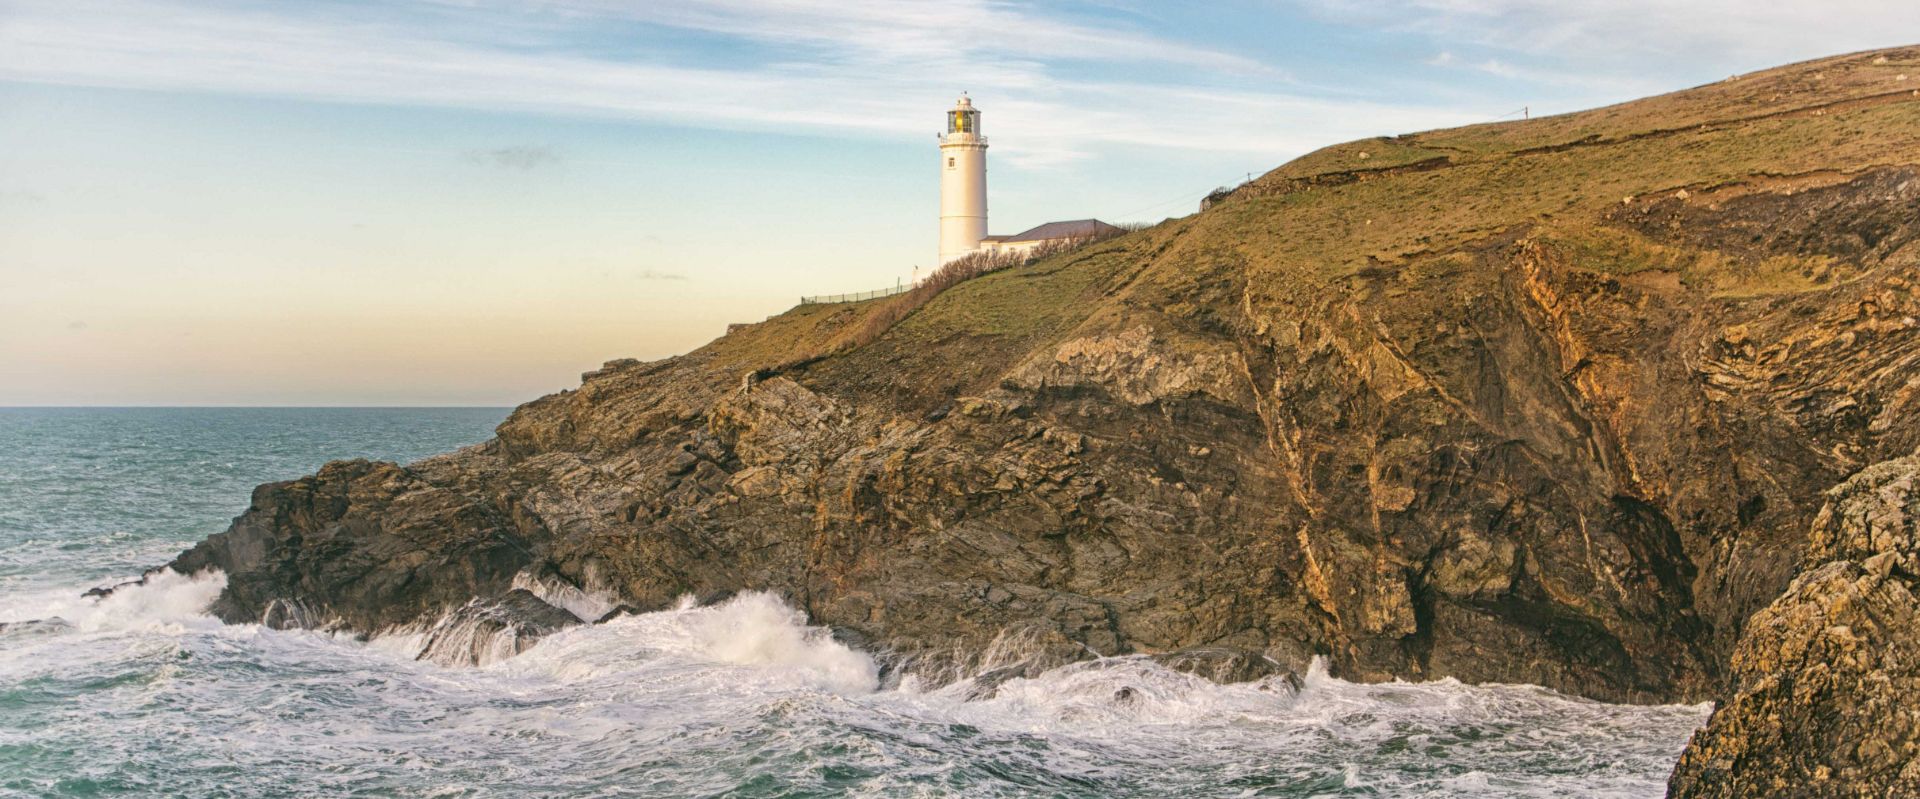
(856, 297)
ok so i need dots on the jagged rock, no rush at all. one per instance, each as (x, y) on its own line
(1826, 697)
(103, 591)
(1138, 368)
(1462, 413)
(366, 545)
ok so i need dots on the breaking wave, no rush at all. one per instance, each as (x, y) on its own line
(589, 605)
(753, 632)
(143, 694)
(164, 601)
(745, 696)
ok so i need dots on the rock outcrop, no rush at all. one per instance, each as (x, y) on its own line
(362, 546)
(1550, 402)
(491, 629)
(1826, 682)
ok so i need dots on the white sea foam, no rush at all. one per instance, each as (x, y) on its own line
(708, 699)
(590, 604)
(753, 630)
(476, 634)
(479, 633)
(165, 601)
(1115, 692)
(758, 629)
(143, 692)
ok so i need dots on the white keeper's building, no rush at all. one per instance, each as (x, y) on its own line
(963, 196)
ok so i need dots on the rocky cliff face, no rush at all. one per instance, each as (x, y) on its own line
(1549, 402)
(1825, 679)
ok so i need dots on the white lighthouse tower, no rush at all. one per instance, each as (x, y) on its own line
(963, 182)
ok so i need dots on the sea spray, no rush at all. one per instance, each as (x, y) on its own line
(163, 600)
(757, 629)
(744, 695)
(478, 633)
(1120, 691)
(166, 599)
(753, 630)
(590, 603)
(155, 698)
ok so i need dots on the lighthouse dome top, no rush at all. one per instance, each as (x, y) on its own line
(963, 123)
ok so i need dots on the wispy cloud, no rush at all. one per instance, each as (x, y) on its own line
(1498, 68)
(1073, 88)
(522, 157)
(861, 67)
(1616, 40)
(953, 33)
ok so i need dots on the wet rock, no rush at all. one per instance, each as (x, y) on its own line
(986, 686)
(369, 545)
(287, 614)
(617, 612)
(488, 630)
(104, 591)
(1221, 665)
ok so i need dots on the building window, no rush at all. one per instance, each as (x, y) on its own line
(949, 163)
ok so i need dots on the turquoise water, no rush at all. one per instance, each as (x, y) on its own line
(144, 695)
(93, 493)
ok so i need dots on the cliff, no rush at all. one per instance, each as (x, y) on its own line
(1822, 703)
(1553, 401)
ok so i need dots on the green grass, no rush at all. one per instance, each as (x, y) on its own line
(1329, 232)
(1286, 247)
(1367, 154)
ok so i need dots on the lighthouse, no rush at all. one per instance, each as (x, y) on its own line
(963, 182)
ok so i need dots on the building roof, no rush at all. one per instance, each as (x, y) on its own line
(1075, 229)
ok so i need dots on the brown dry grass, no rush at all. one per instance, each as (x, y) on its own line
(1333, 215)
(953, 273)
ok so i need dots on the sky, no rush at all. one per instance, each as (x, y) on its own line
(469, 202)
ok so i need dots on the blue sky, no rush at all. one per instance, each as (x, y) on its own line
(470, 202)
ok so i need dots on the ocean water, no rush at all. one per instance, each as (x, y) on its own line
(143, 695)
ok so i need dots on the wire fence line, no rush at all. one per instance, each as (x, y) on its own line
(857, 296)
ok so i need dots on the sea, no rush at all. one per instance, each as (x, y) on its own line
(143, 694)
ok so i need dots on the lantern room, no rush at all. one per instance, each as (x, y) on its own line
(963, 120)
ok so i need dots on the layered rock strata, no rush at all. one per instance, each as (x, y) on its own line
(1551, 402)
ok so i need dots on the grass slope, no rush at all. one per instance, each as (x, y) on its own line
(1392, 203)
